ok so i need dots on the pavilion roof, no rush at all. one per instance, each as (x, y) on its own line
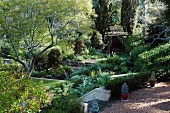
(116, 32)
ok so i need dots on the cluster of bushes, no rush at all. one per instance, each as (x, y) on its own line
(136, 51)
(15, 69)
(67, 50)
(50, 58)
(134, 81)
(86, 79)
(146, 58)
(64, 99)
(82, 84)
(119, 65)
(111, 63)
(21, 95)
(157, 59)
(154, 58)
(80, 47)
(132, 42)
(96, 40)
(59, 72)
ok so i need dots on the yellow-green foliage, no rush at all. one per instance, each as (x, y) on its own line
(20, 95)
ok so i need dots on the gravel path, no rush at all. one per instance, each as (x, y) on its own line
(146, 100)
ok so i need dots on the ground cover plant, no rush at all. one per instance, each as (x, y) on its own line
(64, 99)
(21, 95)
(46, 83)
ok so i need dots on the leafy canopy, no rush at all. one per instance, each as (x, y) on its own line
(28, 28)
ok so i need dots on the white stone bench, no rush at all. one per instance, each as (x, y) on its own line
(98, 93)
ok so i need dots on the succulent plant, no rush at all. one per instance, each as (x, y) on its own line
(125, 89)
(152, 78)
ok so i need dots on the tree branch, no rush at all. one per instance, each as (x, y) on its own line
(158, 36)
(15, 59)
(49, 46)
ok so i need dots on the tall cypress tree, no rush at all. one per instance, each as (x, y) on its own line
(102, 8)
(126, 15)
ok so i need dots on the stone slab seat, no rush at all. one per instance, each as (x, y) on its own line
(98, 93)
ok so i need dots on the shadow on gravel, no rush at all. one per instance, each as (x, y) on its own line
(163, 106)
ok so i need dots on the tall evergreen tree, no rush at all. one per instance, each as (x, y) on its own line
(127, 13)
(102, 8)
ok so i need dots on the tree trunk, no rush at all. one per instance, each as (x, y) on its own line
(144, 24)
(29, 67)
(136, 19)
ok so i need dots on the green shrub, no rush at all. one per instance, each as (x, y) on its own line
(86, 86)
(115, 86)
(83, 84)
(5, 50)
(116, 68)
(60, 70)
(96, 66)
(11, 67)
(76, 80)
(54, 57)
(137, 50)
(133, 81)
(114, 63)
(68, 104)
(82, 71)
(79, 47)
(41, 62)
(21, 95)
(114, 60)
(132, 42)
(124, 70)
(1, 61)
(64, 101)
(96, 40)
(48, 59)
(123, 64)
(68, 69)
(15, 69)
(79, 58)
(67, 48)
(157, 59)
(102, 80)
(39, 74)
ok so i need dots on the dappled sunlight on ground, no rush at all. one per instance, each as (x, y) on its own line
(146, 100)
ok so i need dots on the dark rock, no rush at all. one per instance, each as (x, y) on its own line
(61, 77)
